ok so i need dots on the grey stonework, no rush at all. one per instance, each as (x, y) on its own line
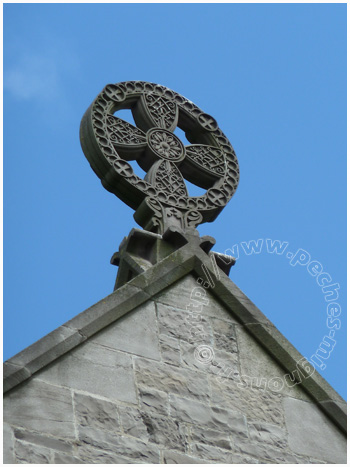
(135, 393)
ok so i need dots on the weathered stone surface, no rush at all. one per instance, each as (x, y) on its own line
(42, 440)
(179, 296)
(210, 417)
(8, 445)
(256, 404)
(32, 454)
(135, 333)
(200, 434)
(259, 367)
(128, 446)
(211, 453)
(180, 324)
(91, 455)
(60, 458)
(170, 349)
(95, 369)
(165, 432)
(243, 459)
(266, 433)
(173, 457)
(223, 364)
(41, 407)
(133, 423)
(169, 378)
(263, 452)
(311, 433)
(224, 335)
(153, 401)
(90, 411)
(161, 430)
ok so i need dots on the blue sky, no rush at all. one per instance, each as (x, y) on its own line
(273, 76)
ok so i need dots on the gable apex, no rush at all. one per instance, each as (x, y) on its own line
(159, 279)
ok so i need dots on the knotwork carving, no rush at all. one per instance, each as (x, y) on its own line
(161, 199)
(122, 133)
(168, 179)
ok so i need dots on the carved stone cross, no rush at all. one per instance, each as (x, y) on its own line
(161, 200)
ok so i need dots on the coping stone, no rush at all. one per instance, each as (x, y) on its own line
(14, 375)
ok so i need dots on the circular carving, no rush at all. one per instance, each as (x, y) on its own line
(207, 122)
(217, 197)
(123, 168)
(109, 143)
(165, 145)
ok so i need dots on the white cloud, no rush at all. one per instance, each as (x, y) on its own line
(33, 77)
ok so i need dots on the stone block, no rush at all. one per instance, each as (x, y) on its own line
(60, 458)
(153, 401)
(133, 423)
(32, 454)
(160, 430)
(90, 455)
(39, 439)
(135, 333)
(215, 418)
(266, 433)
(181, 294)
(220, 363)
(170, 350)
(224, 335)
(98, 413)
(211, 453)
(170, 379)
(94, 369)
(313, 434)
(127, 446)
(8, 445)
(265, 453)
(180, 324)
(41, 407)
(174, 457)
(166, 432)
(202, 435)
(259, 368)
(255, 404)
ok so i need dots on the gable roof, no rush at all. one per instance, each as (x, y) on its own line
(184, 261)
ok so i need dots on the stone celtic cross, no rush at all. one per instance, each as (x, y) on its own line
(161, 199)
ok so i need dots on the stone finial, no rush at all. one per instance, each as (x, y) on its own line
(161, 200)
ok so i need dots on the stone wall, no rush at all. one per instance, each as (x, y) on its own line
(167, 383)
